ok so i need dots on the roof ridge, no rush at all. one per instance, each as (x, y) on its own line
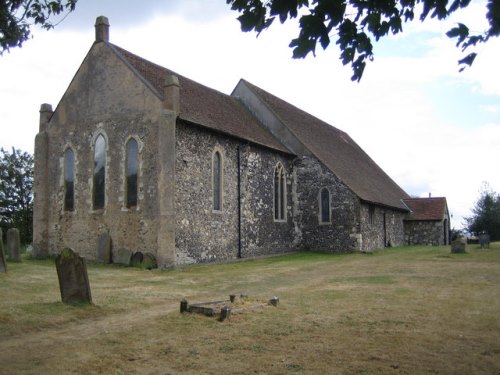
(201, 104)
(295, 107)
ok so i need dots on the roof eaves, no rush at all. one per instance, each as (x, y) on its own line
(284, 150)
(384, 205)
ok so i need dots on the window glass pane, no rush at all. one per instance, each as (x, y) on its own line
(279, 193)
(69, 180)
(99, 172)
(282, 194)
(325, 205)
(132, 172)
(276, 193)
(217, 181)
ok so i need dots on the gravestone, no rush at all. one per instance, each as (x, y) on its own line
(484, 240)
(73, 278)
(458, 247)
(137, 258)
(3, 264)
(123, 256)
(14, 244)
(104, 248)
(149, 261)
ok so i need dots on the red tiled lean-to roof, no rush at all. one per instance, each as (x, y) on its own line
(202, 105)
(338, 151)
(427, 209)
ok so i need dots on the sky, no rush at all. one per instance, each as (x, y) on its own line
(432, 129)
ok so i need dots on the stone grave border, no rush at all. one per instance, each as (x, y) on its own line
(224, 308)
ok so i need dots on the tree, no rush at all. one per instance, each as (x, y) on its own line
(486, 214)
(16, 197)
(17, 17)
(356, 22)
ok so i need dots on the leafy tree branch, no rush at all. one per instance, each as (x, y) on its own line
(17, 17)
(355, 23)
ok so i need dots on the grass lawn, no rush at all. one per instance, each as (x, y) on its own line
(408, 310)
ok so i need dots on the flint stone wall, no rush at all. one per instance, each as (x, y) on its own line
(261, 233)
(341, 234)
(374, 236)
(424, 233)
(205, 235)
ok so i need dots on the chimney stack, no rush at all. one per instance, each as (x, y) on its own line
(45, 115)
(101, 29)
(171, 94)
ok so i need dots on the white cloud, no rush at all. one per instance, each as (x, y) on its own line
(390, 113)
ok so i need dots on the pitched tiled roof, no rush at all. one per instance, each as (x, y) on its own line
(202, 105)
(426, 209)
(338, 152)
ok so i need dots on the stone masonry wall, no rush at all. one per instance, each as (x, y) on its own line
(424, 233)
(205, 235)
(89, 108)
(202, 234)
(261, 233)
(372, 231)
(341, 234)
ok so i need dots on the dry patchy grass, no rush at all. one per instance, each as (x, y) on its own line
(403, 311)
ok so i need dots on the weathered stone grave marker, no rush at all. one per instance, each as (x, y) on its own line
(123, 256)
(458, 247)
(104, 248)
(3, 264)
(149, 261)
(73, 279)
(14, 244)
(137, 258)
(484, 240)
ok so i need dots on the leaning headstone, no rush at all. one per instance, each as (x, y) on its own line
(73, 278)
(484, 240)
(458, 247)
(149, 261)
(136, 258)
(3, 264)
(104, 248)
(14, 244)
(123, 256)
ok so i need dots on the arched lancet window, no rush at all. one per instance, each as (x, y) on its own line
(217, 181)
(99, 183)
(131, 173)
(279, 193)
(324, 205)
(69, 180)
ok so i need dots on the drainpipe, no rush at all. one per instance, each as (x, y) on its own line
(239, 199)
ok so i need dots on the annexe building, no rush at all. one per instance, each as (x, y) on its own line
(428, 222)
(166, 165)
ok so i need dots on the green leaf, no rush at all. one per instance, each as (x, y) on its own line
(467, 60)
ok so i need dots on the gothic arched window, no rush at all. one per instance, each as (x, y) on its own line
(131, 173)
(324, 205)
(69, 180)
(99, 181)
(279, 193)
(217, 181)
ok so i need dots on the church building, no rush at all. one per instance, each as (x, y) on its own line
(165, 165)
